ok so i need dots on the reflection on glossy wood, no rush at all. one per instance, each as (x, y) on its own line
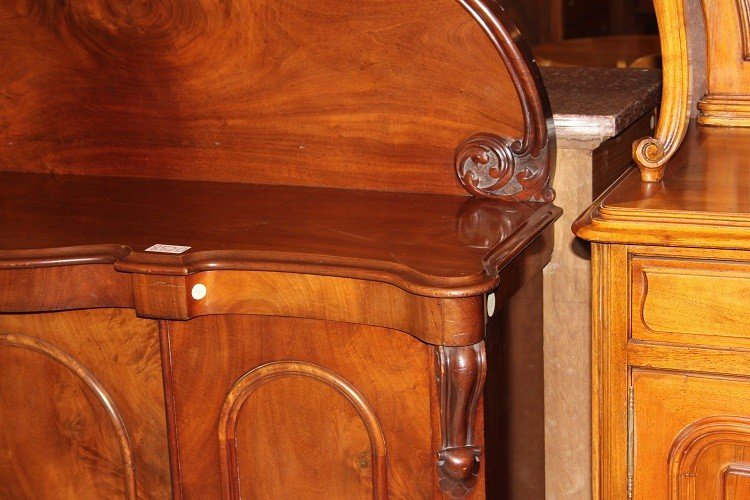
(81, 405)
(426, 244)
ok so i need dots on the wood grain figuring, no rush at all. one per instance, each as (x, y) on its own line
(426, 244)
(312, 93)
(676, 301)
(458, 321)
(229, 440)
(28, 290)
(63, 359)
(736, 482)
(81, 403)
(209, 355)
(699, 428)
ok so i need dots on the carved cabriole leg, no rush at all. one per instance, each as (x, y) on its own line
(461, 372)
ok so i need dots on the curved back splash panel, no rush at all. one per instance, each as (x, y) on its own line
(375, 94)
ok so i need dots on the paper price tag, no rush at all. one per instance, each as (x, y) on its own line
(167, 248)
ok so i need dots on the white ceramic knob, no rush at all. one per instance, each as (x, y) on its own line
(491, 304)
(199, 291)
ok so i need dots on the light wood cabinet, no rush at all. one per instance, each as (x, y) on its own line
(671, 280)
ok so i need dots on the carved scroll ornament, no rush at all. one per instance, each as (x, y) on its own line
(652, 153)
(489, 166)
(461, 374)
(509, 169)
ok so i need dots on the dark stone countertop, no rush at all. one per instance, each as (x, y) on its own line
(590, 105)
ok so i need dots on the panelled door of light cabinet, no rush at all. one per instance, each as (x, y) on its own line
(272, 407)
(81, 406)
(691, 436)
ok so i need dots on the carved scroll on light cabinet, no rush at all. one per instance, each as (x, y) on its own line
(652, 153)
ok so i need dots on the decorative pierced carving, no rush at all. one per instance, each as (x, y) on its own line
(257, 377)
(461, 373)
(523, 167)
(80, 371)
(492, 167)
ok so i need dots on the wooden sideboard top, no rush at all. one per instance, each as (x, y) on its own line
(437, 245)
(703, 200)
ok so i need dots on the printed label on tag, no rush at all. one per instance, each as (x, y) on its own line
(167, 248)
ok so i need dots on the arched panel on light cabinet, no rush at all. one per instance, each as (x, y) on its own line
(279, 409)
(710, 459)
(61, 429)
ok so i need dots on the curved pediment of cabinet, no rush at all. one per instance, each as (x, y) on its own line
(652, 153)
(386, 95)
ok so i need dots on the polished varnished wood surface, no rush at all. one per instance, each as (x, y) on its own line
(317, 158)
(425, 243)
(700, 428)
(291, 438)
(81, 406)
(704, 198)
(374, 95)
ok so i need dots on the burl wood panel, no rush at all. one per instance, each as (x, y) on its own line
(82, 406)
(318, 440)
(374, 94)
(689, 428)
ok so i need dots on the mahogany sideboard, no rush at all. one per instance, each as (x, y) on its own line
(262, 249)
(671, 279)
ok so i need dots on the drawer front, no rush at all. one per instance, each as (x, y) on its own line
(693, 302)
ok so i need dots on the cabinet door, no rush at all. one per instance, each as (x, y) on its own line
(691, 436)
(81, 407)
(272, 407)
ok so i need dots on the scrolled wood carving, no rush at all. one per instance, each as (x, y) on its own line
(461, 375)
(71, 364)
(261, 375)
(489, 166)
(510, 169)
(692, 442)
(652, 153)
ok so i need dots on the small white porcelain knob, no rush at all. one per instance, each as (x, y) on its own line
(491, 304)
(199, 291)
